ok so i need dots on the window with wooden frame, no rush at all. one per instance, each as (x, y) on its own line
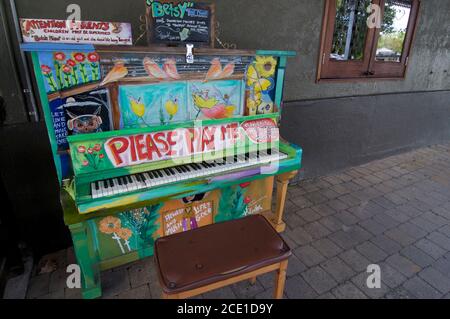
(366, 39)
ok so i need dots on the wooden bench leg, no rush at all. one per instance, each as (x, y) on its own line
(280, 280)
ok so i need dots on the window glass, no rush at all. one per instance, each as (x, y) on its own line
(393, 30)
(350, 30)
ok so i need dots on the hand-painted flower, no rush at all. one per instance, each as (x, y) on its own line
(85, 163)
(90, 150)
(81, 149)
(247, 200)
(109, 225)
(71, 63)
(93, 57)
(124, 233)
(59, 56)
(67, 69)
(97, 147)
(245, 185)
(79, 57)
(46, 69)
(101, 156)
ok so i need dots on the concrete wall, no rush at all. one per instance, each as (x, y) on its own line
(337, 124)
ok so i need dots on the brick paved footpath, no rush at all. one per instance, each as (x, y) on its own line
(393, 212)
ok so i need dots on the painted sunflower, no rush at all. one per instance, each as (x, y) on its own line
(124, 233)
(109, 225)
(265, 65)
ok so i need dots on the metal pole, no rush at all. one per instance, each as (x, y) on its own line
(351, 21)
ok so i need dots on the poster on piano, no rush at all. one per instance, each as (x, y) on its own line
(76, 32)
(180, 22)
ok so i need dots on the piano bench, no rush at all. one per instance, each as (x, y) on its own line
(214, 256)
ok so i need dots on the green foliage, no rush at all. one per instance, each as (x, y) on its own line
(143, 223)
(231, 205)
(393, 41)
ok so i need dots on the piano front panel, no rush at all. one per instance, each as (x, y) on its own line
(131, 233)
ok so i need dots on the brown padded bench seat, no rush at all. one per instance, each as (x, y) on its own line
(213, 253)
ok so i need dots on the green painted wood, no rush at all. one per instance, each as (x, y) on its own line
(276, 53)
(47, 114)
(280, 82)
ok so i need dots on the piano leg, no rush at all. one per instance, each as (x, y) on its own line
(282, 186)
(87, 259)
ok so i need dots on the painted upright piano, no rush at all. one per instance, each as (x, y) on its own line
(146, 144)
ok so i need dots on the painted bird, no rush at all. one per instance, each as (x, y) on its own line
(153, 70)
(171, 107)
(118, 72)
(204, 102)
(228, 71)
(215, 70)
(170, 67)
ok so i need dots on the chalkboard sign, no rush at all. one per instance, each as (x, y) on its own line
(180, 22)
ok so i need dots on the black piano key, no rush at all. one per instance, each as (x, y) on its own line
(119, 180)
(130, 181)
(171, 171)
(187, 168)
(97, 186)
(142, 177)
(167, 172)
(269, 151)
(111, 183)
(159, 174)
(151, 175)
(138, 178)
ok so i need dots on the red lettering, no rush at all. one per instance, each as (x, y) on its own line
(208, 139)
(133, 149)
(151, 147)
(160, 139)
(140, 147)
(172, 138)
(115, 150)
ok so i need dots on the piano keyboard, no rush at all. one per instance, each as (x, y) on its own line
(134, 182)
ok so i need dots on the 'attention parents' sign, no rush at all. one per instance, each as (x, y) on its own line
(83, 32)
(180, 22)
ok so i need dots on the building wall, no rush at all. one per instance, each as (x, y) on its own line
(337, 124)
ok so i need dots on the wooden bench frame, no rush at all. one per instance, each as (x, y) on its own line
(280, 279)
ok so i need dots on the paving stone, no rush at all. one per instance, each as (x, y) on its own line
(398, 215)
(332, 223)
(316, 230)
(72, 293)
(308, 215)
(424, 224)
(371, 252)
(293, 220)
(400, 237)
(337, 204)
(420, 289)
(245, 290)
(301, 202)
(326, 247)
(445, 230)
(295, 266)
(355, 260)
(366, 210)
(436, 279)
(340, 189)
(222, 293)
(384, 202)
(142, 292)
(58, 280)
(346, 218)
(142, 272)
(399, 293)
(324, 210)
(309, 255)
(348, 291)
(440, 239)
(330, 194)
(59, 294)
(360, 281)
(386, 244)
(442, 265)
(386, 220)
(338, 269)
(319, 279)
(343, 239)
(403, 265)
(114, 282)
(300, 236)
(413, 230)
(39, 286)
(373, 226)
(417, 256)
(430, 248)
(297, 288)
(435, 219)
(390, 276)
(350, 200)
(316, 197)
(327, 295)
